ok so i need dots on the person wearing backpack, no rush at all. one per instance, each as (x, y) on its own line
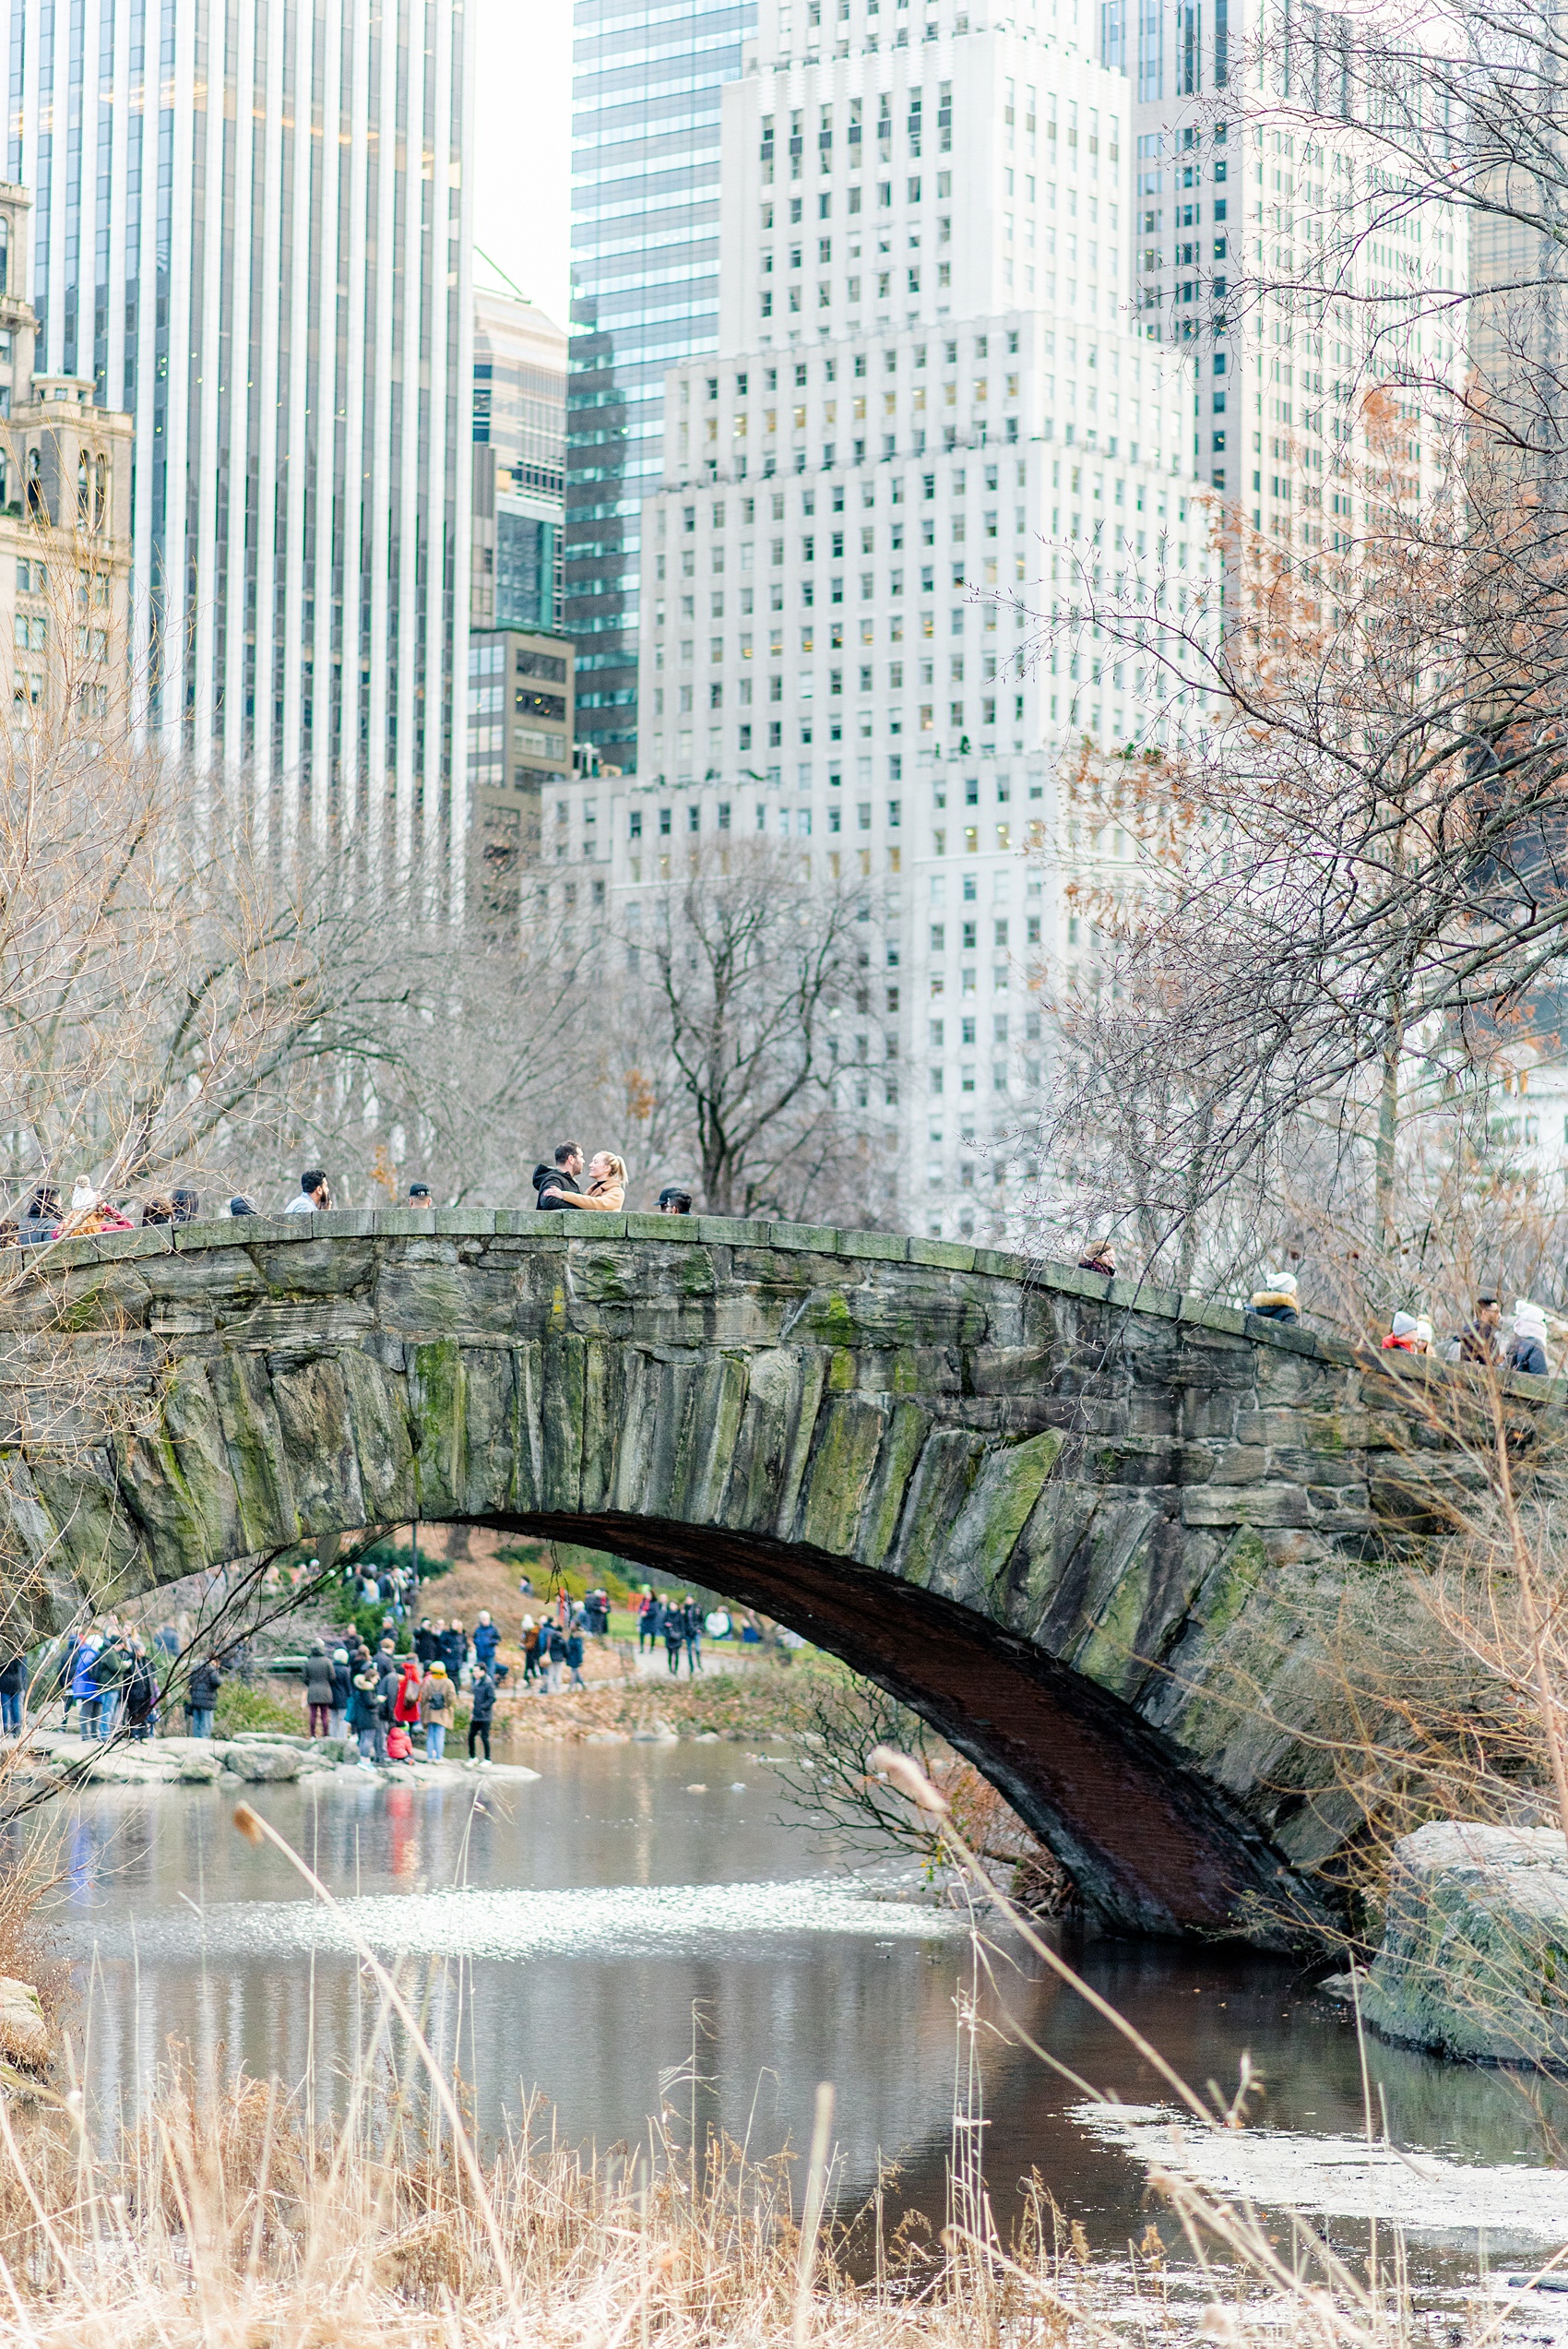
(435, 1710)
(530, 1644)
(406, 1697)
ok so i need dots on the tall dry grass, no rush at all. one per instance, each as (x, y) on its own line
(226, 2218)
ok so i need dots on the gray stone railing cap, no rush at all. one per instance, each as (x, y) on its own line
(561, 1230)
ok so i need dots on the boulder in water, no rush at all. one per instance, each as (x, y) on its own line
(1474, 1960)
(263, 1765)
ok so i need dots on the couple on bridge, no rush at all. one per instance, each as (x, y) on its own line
(557, 1186)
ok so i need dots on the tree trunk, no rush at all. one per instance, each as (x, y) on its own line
(1388, 1127)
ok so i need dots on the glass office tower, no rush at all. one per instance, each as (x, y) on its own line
(644, 291)
(251, 229)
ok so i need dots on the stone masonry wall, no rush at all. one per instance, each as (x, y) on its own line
(1076, 1523)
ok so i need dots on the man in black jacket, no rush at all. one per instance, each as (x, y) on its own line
(550, 1181)
(206, 1681)
(482, 1704)
(141, 1694)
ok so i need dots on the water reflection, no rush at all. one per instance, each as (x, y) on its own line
(566, 1933)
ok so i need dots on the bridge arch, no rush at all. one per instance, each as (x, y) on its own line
(1046, 1509)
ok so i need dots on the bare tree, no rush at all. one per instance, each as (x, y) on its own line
(743, 976)
(1350, 859)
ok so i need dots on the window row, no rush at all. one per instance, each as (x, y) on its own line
(768, 377)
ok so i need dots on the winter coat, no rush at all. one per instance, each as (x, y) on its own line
(427, 1647)
(1474, 1343)
(1528, 1354)
(141, 1691)
(548, 1180)
(487, 1638)
(606, 1198)
(406, 1704)
(454, 1652)
(653, 1618)
(482, 1697)
(206, 1681)
(112, 1665)
(435, 1699)
(554, 1644)
(574, 1656)
(14, 1676)
(319, 1681)
(83, 1674)
(364, 1702)
(342, 1687)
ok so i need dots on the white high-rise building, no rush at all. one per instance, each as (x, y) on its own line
(251, 230)
(928, 395)
(1238, 180)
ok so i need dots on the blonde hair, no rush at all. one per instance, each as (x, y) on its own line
(617, 1165)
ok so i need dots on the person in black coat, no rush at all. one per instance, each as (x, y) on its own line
(206, 1681)
(13, 1689)
(141, 1694)
(454, 1651)
(342, 1689)
(427, 1647)
(549, 1182)
(481, 1709)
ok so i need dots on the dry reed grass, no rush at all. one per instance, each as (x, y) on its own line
(227, 2219)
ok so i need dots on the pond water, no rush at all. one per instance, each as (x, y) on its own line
(639, 1927)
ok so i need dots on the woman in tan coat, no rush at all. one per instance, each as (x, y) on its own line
(607, 1185)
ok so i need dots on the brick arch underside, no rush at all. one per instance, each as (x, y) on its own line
(1154, 1850)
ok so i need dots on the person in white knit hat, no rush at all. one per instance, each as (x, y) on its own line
(1526, 1348)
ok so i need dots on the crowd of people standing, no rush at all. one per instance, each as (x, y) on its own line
(104, 1675)
(385, 1701)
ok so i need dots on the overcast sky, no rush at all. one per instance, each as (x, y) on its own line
(523, 148)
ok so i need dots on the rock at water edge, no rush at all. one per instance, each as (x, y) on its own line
(263, 1765)
(24, 2034)
(1474, 1960)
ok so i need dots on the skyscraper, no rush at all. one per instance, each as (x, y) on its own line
(1223, 194)
(926, 398)
(519, 686)
(252, 230)
(519, 424)
(644, 293)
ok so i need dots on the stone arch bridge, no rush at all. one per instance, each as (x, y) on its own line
(1057, 1515)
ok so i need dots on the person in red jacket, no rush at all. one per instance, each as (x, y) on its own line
(406, 1704)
